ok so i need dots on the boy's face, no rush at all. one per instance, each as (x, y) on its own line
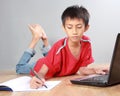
(74, 29)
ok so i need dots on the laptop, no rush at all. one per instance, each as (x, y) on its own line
(112, 78)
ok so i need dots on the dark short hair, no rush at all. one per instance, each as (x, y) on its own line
(76, 12)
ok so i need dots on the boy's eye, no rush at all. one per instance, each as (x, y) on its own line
(69, 27)
(79, 27)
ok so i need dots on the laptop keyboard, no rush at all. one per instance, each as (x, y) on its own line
(97, 78)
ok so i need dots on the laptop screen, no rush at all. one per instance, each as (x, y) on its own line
(114, 75)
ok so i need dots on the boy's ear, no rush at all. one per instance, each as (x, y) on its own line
(87, 27)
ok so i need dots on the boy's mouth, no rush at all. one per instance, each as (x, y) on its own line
(75, 37)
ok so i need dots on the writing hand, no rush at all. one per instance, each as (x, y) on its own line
(36, 83)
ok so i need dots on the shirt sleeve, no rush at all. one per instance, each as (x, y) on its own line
(87, 58)
(48, 60)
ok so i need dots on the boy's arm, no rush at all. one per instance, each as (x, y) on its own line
(86, 71)
(35, 82)
(43, 71)
(89, 71)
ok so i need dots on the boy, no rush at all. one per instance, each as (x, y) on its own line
(71, 54)
(24, 64)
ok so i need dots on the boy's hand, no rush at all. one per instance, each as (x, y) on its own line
(89, 71)
(36, 83)
(101, 70)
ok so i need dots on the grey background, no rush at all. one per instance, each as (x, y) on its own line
(15, 15)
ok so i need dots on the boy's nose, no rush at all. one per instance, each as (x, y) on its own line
(74, 31)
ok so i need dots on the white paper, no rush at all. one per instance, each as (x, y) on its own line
(23, 84)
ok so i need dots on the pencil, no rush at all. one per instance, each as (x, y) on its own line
(35, 73)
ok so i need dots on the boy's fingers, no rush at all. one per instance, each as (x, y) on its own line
(100, 72)
(36, 83)
(43, 80)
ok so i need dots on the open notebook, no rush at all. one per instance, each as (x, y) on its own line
(23, 84)
(108, 79)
